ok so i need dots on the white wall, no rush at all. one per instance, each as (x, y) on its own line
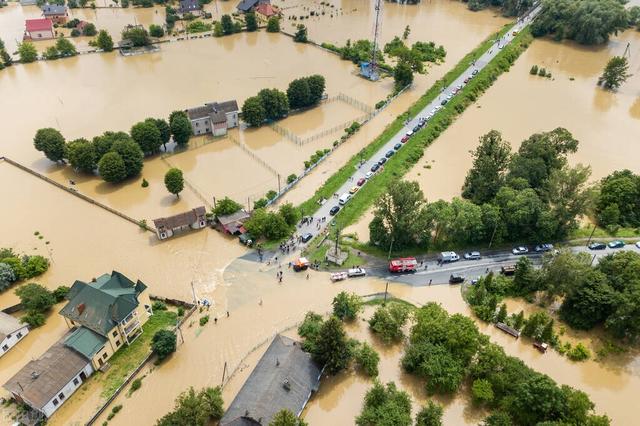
(11, 341)
(67, 390)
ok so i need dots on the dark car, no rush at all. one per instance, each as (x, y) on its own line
(474, 72)
(404, 139)
(382, 161)
(415, 129)
(246, 239)
(456, 279)
(334, 210)
(597, 246)
(375, 167)
(542, 248)
(444, 102)
(616, 244)
(389, 153)
(361, 181)
(306, 237)
(397, 146)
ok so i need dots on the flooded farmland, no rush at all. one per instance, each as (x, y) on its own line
(518, 105)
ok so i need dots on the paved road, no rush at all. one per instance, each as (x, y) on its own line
(439, 274)
(316, 227)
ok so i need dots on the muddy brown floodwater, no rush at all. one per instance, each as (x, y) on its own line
(606, 123)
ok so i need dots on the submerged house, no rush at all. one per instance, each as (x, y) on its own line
(264, 11)
(284, 378)
(214, 117)
(189, 6)
(166, 227)
(38, 29)
(11, 332)
(57, 13)
(246, 6)
(234, 223)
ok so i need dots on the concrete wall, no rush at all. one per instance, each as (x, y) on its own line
(67, 391)
(14, 338)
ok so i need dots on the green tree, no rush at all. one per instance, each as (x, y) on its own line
(27, 52)
(274, 102)
(195, 409)
(5, 58)
(535, 400)
(89, 30)
(273, 25)
(180, 126)
(253, 112)
(619, 192)
(104, 41)
(51, 53)
(34, 266)
(615, 73)
(430, 415)
(502, 314)
(309, 330)
(286, 418)
(174, 181)
(388, 321)
(147, 135)
(490, 164)
(407, 31)
(482, 391)
(165, 131)
(65, 47)
(385, 406)
(35, 298)
(300, 35)
(82, 155)
(104, 142)
(156, 31)
(402, 75)
(346, 306)
(7, 276)
(226, 206)
(111, 168)
(499, 418)
(525, 279)
(51, 142)
(367, 359)
(332, 349)
(289, 213)
(536, 324)
(561, 273)
(251, 21)
(299, 93)
(131, 155)
(163, 343)
(218, 31)
(316, 84)
(590, 302)
(137, 35)
(227, 25)
(568, 197)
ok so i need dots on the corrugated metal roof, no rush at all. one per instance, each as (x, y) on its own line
(85, 341)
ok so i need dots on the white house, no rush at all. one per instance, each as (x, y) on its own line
(38, 29)
(193, 219)
(215, 118)
(46, 383)
(11, 332)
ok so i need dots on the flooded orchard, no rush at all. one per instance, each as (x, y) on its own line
(519, 104)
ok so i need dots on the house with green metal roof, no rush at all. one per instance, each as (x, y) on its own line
(105, 313)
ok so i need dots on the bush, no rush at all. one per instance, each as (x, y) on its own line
(180, 311)
(579, 353)
(35, 265)
(482, 391)
(60, 293)
(163, 343)
(534, 70)
(387, 321)
(291, 178)
(158, 306)
(156, 31)
(135, 385)
(346, 306)
(204, 320)
(367, 359)
(226, 206)
(34, 319)
(271, 194)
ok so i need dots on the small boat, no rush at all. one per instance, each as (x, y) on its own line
(338, 276)
(542, 347)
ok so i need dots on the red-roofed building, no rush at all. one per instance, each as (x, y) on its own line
(38, 29)
(264, 11)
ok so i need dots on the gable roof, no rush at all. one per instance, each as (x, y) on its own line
(266, 9)
(226, 106)
(101, 304)
(284, 378)
(9, 325)
(54, 9)
(85, 341)
(247, 5)
(41, 24)
(181, 219)
(188, 6)
(41, 379)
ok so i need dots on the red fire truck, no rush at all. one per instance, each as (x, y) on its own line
(404, 264)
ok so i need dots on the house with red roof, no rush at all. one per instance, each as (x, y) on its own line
(264, 11)
(38, 29)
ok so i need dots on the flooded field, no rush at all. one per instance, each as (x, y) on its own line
(518, 105)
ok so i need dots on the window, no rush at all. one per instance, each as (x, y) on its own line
(61, 396)
(115, 333)
(104, 356)
(197, 124)
(5, 348)
(55, 402)
(19, 335)
(118, 343)
(75, 381)
(8, 336)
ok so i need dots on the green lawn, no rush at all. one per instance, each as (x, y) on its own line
(603, 233)
(129, 357)
(317, 254)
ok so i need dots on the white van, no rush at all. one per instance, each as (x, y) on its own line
(344, 198)
(448, 256)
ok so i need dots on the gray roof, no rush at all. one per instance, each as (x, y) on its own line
(101, 304)
(42, 379)
(284, 378)
(54, 9)
(247, 5)
(226, 106)
(181, 219)
(214, 110)
(9, 325)
(239, 216)
(188, 6)
(199, 112)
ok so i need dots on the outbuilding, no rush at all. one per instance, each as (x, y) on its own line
(11, 332)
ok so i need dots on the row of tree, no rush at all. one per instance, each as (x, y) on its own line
(532, 195)
(447, 350)
(15, 268)
(273, 104)
(507, 7)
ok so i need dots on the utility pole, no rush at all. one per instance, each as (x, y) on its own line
(592, 260)
(495, 228)
(590, 236)
(390, 247)
(193, 290)
(278, 183)
(214, 202)
(248, 205)
(386, 290)
(337, 238)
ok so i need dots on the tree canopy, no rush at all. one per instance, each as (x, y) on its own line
(51, 143)
(174, 181)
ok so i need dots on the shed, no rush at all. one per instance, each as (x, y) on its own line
(509, 330)
(284, 378)
(234, 223)
(11, 332)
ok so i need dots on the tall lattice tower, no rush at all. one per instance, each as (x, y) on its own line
(370, 69)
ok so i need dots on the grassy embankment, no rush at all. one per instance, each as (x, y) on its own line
(406, 158)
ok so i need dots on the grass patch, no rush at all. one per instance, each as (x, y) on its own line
(405, 158)
(585, 232)
(127, 359)
(390, 300)
(318, 255)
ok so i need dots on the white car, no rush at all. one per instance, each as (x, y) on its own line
(409, 133)
(450, 96)
(638, 244)
(356, 272)
(520, 250)
(368, 175)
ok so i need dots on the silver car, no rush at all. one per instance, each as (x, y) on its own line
(472, 255)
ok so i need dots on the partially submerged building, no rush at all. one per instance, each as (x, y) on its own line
(233, 223)
(246, 6)
(284, 378)
(11, 332)
(189, 6)
(57, 13)
(214, 117)
(38, 29)
(103, 315)
(166, 227)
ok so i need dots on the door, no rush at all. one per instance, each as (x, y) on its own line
(83, 376)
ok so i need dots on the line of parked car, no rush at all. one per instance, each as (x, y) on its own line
(616, 244)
